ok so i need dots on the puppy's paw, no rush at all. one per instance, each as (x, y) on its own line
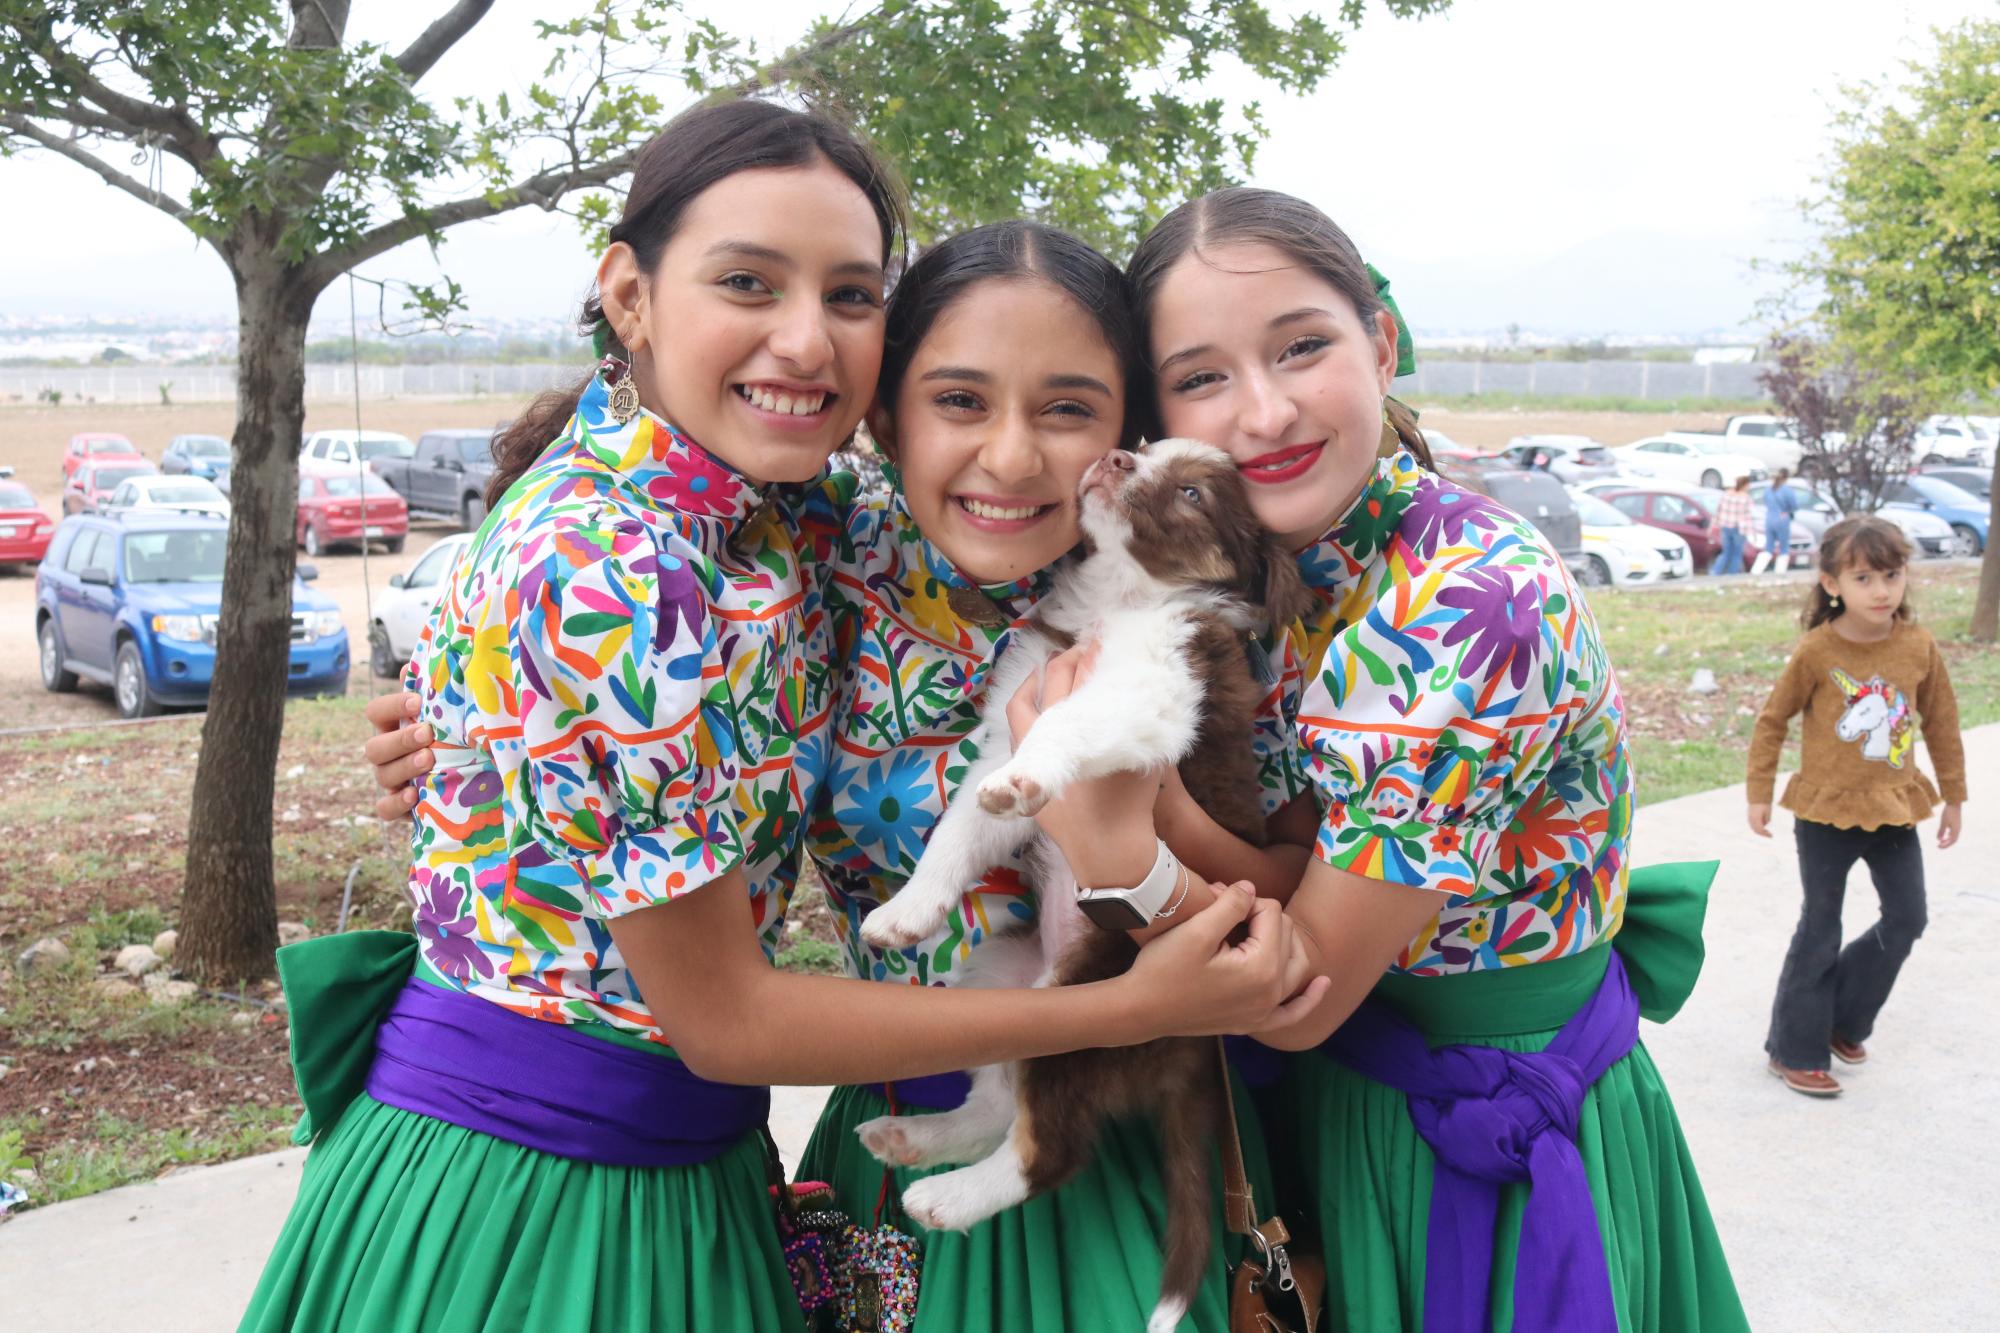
(904, 920)
(1011, 792)
(948, 1202)
(886, 1141)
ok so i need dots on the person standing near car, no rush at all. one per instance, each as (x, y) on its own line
(1780, 503)
(1732, 527)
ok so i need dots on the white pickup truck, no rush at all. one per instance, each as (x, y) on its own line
(1767, 439)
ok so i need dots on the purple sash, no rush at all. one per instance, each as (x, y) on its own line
(932, 1092)
(1492, 1118)
(469, 1062)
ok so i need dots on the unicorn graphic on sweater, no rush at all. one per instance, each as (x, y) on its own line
(1877, 715)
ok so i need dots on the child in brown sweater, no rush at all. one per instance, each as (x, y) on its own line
(1865, 677)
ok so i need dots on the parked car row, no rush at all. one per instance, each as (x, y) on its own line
(204, 456)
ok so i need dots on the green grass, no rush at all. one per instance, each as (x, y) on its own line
(107, 932)
(62, 1011)
(122, 1152)
(1683, 743)
(806, 954)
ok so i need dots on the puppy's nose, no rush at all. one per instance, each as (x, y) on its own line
(1119, 459)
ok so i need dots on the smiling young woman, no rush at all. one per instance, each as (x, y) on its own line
(1471, 1121)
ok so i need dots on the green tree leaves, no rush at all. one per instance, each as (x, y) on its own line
(1909, 255)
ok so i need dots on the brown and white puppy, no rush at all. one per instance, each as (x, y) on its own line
(1178, 571)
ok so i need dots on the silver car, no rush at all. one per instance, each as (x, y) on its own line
(1573, 459)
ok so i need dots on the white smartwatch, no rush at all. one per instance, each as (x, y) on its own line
(1129, 909)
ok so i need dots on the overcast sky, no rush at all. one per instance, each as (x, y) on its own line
(1574, 166)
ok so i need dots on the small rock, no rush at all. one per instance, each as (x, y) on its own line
(114, 988)
(46, 954)
(291, 932)
(165, 942)
(1659, 650)
(1703, 682)
(170, 992)
(136, 960)
(290, 816)
(243, 1018)
(296, 771)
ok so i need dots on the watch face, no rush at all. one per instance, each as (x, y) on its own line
(1109, 912)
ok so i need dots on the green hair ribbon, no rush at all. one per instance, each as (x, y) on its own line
(1406, 350)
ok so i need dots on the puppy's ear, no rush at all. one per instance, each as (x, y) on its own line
(1286, 596)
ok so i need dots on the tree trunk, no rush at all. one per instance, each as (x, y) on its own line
(1986, 603)
(229, 918)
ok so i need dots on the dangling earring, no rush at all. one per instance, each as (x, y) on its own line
(1391, 441)
(624, 395)
(1833, 600)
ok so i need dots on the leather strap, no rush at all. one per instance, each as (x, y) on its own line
(1239, 1202)
(1239, 1205)
(1301, 1276)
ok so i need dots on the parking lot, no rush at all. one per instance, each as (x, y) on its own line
(32, 440)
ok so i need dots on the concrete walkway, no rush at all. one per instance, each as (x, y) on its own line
(1878, 1211)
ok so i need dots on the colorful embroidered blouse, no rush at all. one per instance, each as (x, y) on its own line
(628, 683)
(1462, 724)
(915, 651)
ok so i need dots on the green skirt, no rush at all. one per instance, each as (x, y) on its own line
(1351, 1160)
(408, 1224)
(1084, 1258)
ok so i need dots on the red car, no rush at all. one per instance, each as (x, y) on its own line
(97, 446)
(92, 484)
(1685, 514)
(24, 529)
(332, 513)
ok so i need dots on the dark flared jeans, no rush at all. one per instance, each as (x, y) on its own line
(1824, 990)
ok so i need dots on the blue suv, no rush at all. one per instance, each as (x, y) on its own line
(205, 456)
(132, 601)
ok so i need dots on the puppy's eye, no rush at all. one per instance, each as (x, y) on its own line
(1193, 494)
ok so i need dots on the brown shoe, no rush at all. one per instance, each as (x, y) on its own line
(1849, 1052)
(1810, 1082)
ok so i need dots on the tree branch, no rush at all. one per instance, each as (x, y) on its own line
(72, 150)
(172, 125)
(541, 191)
(440, 37)
(792, 62)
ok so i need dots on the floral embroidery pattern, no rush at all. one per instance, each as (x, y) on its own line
(1461, 723)
(623, 674)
